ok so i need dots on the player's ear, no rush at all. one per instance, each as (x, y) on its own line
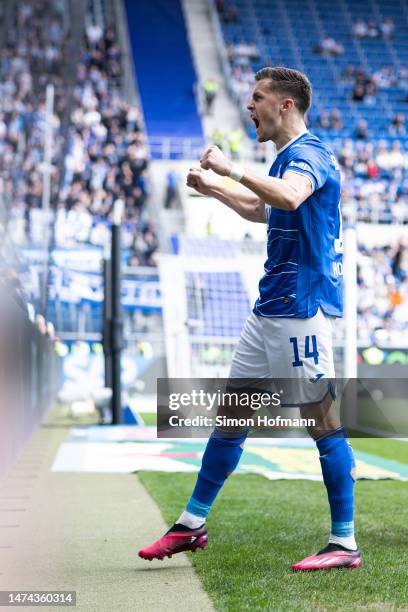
(287, 104)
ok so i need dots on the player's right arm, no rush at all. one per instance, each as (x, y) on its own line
(247, 205)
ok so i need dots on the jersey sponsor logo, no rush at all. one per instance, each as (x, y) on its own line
(301, 165)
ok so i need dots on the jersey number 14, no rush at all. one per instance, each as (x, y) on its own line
(297, 363)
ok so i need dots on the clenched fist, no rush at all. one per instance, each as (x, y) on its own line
(214, 159)
(200, 181)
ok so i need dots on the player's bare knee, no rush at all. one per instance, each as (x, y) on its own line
(323, 418)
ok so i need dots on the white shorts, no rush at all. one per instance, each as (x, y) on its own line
(287, 348)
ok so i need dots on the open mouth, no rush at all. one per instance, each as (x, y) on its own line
(256, 122)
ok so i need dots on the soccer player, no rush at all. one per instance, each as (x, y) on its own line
(289, 332)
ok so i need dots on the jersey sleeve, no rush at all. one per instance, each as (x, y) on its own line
(311, 161)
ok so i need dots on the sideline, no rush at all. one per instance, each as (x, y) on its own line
(82, 531)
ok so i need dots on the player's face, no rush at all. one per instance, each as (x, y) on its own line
(265, 109)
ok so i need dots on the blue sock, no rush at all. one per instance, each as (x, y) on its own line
(220, 459)
(337, 461)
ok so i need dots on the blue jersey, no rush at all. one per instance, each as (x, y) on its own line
(304, 267)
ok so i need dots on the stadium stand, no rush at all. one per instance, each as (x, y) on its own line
(107, 156)
(101, 135)
(99, 155)
(33, 55)
(360, 92)
(167, 88)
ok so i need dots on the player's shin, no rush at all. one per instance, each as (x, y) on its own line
(220, 459)
(338, 464)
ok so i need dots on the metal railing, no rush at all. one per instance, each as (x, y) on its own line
(170, 147)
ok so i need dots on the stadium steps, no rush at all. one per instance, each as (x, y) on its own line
(203, 44)
(164, 70)
(81, 532)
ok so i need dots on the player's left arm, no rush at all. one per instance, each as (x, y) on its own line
(286, 193)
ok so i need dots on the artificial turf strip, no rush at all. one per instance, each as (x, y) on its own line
(386, 448)
(257, 528)
(149, 418)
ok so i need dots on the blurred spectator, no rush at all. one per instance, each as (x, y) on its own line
(348, 73)
(210, 89)
(94, 33)
(329, 46)
(331, 119)
(324, 119)
(218, 138)
(172, 181)
(387, 28)
(373, 30)
(359, 93)
(362, 29)
(227, 12)
(361, 132)
(260, 154)
(384, 77)
(359, 28)
(235, 139)
(397, 127)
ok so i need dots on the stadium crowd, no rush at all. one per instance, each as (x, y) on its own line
(375, 179)
(375, 173)
(33, 56)
(106, 158)
(383, 295)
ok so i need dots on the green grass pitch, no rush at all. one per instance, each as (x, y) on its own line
(257, 528)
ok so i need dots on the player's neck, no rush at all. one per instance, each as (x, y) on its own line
(290, 132)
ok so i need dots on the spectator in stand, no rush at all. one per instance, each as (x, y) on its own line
(260, 154)
(172, 181)
(331, 119)
(235, 139)
(359, 93)
(384, 77)
(348, 73)
(228, 13)
(387, 28)
(359, 28)
(370, 94)
(329, 46)
(397, 127)
(336, 119)
(218, 138)
(210, 90)
(94, 33)
(372, 29)
(145, 247)
(397, 157)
